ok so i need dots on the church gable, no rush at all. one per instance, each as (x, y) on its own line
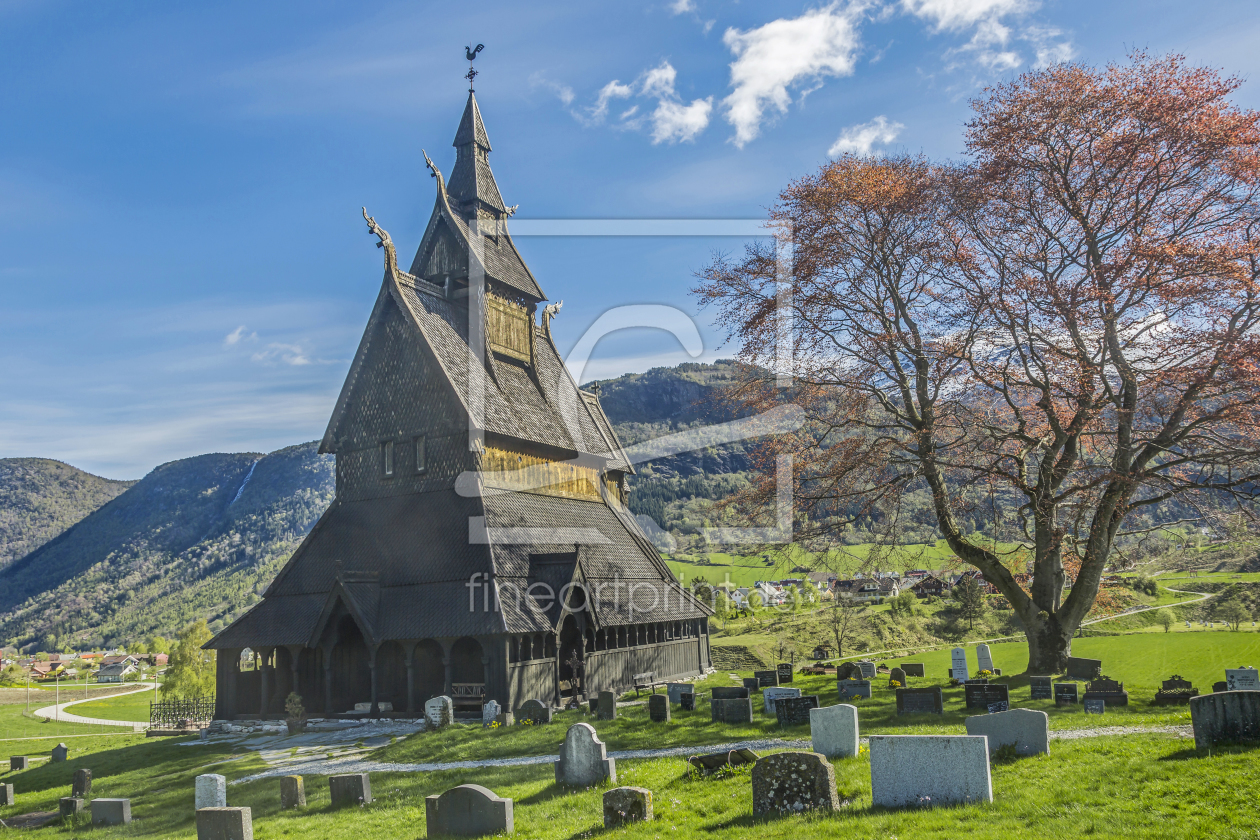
(441, 254)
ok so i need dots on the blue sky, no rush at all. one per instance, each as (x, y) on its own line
(183, 266)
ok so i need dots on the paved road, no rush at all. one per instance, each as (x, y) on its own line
(59, 712)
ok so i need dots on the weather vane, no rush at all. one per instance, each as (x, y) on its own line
(470, 53)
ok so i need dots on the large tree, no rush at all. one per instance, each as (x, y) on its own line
(1064, 325)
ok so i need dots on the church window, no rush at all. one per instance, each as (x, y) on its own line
(420, 462)
(387, 458)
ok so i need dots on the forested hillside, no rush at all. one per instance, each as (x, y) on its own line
(40, 498)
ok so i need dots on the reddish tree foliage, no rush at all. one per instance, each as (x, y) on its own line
(1067, 320)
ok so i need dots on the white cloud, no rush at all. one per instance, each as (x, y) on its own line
(289, 354)
(1046, 43)
(613, 90)
(963, 14)
(674, 121)
(784, 53)
(234, 336)
(860, 139)
(671, 120)
(563, 92)
(682, 7)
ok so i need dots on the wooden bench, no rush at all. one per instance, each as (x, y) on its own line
(645, 681)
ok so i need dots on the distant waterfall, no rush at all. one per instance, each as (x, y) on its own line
(248, 476)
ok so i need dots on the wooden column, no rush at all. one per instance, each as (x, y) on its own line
(263, 681)
(328, 706)
(295, 654)
(411, 677)
(446, 644)
(374, 710)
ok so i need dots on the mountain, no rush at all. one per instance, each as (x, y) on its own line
(40, 499)
(202, 537)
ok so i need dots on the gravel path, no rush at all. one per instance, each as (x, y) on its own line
(59, 712)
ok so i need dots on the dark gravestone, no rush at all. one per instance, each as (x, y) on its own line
(792, 782)
(980, 695)
(350, 789)
(658, 708)
(1175, 692)
(850, 689)
(785, 672)
(626, 805)
(897, 675)
(1065, 693)
(534, 711)
(794, 711)
(71, 806)
(730, 693)
(225, 824)
(1220, 686)
(468, 811)
(732, 711)
(1094, 705)
(1041, 688)
(292, 792)
(82, 784)
(111, 811)
(687, 700)
(848, 670)
(751, 684)
(607, 709)
(19, 762)
(593, 704)
(913, 669)
(60, 752)
(1107, 690)
(7, 795)
(1225, 716)
(920, 701)
(1083, 669)
(732, 758)
(766, 678)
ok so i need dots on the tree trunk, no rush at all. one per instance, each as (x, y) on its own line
(1049, 646)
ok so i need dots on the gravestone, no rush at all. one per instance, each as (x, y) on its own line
(913, 669)
(489, 711)
(1083, 669)
(1065, 694)
(19, 762)
(584, 759)
(766, 678)
(751, 684)
(225, 824)
(504, 719)
(675, 690)
(60, 752)
(958, 664)
(980, 695)
(1094, 705)
(920, 701)
(687, 700)
(723, 692)
(785, 672)
(730, 758)
(71, 806)
(848, 671)
(534, 711)
(468, 811)
(795, 711)
(1107, 690)
(1175, 692)
(1220, 686)
(111, 811)
(439, 712)
(771, 694)
(658, 708)
(1041, 688)
(867, 670)
(922, 770)
(350, 789)
(1027, 729)
(984, 659)
(1242, 679)
(833, 730)
(626, 805)
(731, 711)
(793, 782)
(292, 792)
(897, 675)
(81, 786)
(6, 795)
(607, 708)
(211, 791)
(1225, 716)
(850, 689)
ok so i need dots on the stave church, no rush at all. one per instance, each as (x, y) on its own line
(479, 545)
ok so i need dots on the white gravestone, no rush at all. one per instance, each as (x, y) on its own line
(769, 695)
(439, 711)
(211, 791)
(958, 664)
(834, 730)
(490, 711)
(1242, 679)
(984, 659)
(924, 770)
(584, 758)
(1027, 729)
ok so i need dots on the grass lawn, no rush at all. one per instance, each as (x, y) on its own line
(129, 707)
(14, 725)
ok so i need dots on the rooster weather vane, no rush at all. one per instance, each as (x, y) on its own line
(471, 53)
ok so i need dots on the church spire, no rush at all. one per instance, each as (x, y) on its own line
(472, 184)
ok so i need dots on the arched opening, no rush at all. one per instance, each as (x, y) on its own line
(391, 676)
(468, 675)
(351, 671)
(570, 644)
(429, 672)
